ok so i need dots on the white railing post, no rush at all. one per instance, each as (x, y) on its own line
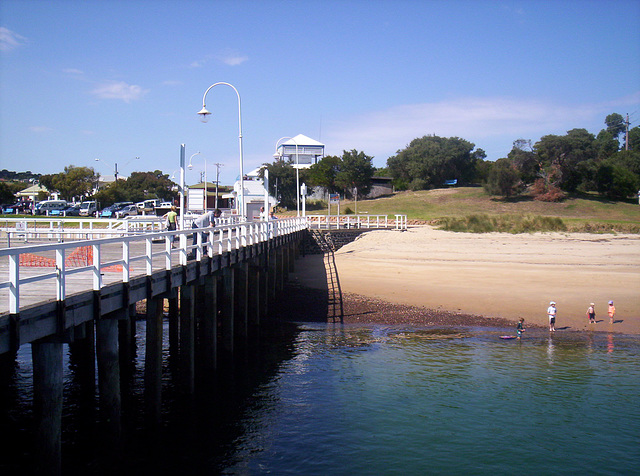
(126, 270)
(14, 283)
(97, 276)
(148, 258)
(168, 242)
(60, 275)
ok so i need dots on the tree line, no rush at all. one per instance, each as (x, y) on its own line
(549, 170)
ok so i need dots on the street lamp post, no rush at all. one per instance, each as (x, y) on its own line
(277, 154)
(218, 165)
(190, 166)
(242, 210)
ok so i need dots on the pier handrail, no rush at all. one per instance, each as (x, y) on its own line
(222, 238)
(356, 221)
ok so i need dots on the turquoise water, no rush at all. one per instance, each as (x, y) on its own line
(380, 400)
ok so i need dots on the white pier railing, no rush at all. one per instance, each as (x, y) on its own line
(129, 248)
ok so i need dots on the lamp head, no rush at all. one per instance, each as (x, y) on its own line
(204, 114)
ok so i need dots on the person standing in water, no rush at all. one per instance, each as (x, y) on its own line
(551, 312)
(520, 329)
(612, 312)
(591, 313)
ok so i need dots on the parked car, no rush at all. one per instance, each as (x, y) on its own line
(46, 207)
(129, 210)
(88, 208)
(19, 207)
(72, 211)
(110, 211)
(148, 207)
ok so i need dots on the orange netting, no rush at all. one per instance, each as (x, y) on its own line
(82, 256)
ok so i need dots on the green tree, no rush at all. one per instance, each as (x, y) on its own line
(616, 182)
(324, 173)
(503, 179)
(564, 153)
(634, 139)
(282, 182)
(616, 124)
(525, 160)
(431, 160)
(75, 183)
(606, 144)
(355, 171)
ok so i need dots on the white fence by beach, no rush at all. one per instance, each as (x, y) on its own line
(356, 221)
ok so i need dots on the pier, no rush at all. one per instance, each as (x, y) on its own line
(86, 287)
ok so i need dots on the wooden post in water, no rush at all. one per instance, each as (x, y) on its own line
(241, 295)
(272, 263)
(253, 304)
(187, 337)
(228, 297)
(174, 324)
(153, 364)
(47, 405)
(209, 327)
(109, 378)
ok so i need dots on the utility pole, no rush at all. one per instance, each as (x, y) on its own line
(626, 134)
(218, 165)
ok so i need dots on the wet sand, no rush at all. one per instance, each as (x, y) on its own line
(426, 276)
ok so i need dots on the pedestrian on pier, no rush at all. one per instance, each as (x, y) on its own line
(206, 220)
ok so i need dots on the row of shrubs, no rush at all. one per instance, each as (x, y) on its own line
(527, 224)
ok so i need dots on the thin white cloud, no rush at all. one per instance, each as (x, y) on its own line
(382, 133)
(233, 60)
(40, 129)
(10, 40)
(119, 90)
(73, 71)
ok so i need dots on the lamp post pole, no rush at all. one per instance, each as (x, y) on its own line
(218, 165)
(190, 166)
(242, 209)
(277, 154)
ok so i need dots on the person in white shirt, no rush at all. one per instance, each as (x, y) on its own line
(551, 312)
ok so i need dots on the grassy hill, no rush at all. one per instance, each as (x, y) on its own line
(584, 213)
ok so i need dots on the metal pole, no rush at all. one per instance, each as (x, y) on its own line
(182, 186)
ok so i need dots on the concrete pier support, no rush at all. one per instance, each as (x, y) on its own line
(47, 405)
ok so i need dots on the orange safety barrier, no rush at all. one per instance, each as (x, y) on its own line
(82, 256)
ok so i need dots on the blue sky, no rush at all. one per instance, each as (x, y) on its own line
(116, 80)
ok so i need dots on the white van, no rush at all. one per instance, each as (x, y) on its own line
(88, 209)
(45, 207)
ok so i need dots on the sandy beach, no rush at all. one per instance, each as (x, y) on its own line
(495, 275)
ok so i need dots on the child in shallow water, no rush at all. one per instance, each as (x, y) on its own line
(591, 313)
(520, 329)
(611, 311)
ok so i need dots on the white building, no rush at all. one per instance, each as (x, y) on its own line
(301, 151)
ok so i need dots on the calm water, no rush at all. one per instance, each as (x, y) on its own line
(330, 399)
(383, 401)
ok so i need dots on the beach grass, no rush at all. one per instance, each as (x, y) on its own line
(454, 207)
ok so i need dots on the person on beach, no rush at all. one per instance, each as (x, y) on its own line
(591, 313)
(520, 329)
(612, 312)
(551, 312)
